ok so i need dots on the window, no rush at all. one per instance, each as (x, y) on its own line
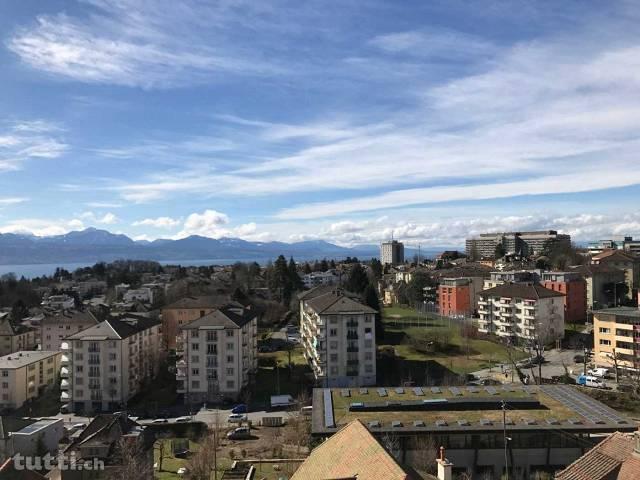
(229, 346)
(195, 384)
(195, 371)
(113, 381)
(368, 343)
(5, 373)
(79, 393)
(195, 346)
(605, 342)
(367, 330)
(333, 332)
(605, 330)
(78, 357)
(112, 368)
(333, 345)
(79, 368)
(368, 368)
(229, 333)
(368, 319)
(229, 371)
(334, 370)
(5, 384)
(195, 359)
(195, 334)
(334, 357)
(212, 336)
(79, 381)
(368, 355)
(112, 356)
(229, 358)
(230, 383)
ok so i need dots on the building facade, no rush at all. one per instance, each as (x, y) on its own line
(522, 312)
(219, 354)
(524, 244)
(511, 276)
(625, 262)
(339, 337)
(316, 279)
(574, 288)
(183, 311)
(616, 338)
(458, 296)
(392, 253)
(15, 337)
(26, 375)
(55, 327)
(105, 365)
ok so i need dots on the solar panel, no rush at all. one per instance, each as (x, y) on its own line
(436, 390)
(589, 408)
(575, 421)
(455, 390)
(382, 392)
(441, 423)
(472, 389)
(485, 422)
(419, 423)
(529, 421)
(345, 392)
(374, 424)
(491, 390)
(399, 390)
(509, 421)
(463, 422)
(553, 421)
(418, 391)
(396, 424)
(329, 420)
(364, 391)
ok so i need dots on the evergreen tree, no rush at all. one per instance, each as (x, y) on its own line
(376, 268)
(370, 298)
(294, 278)
(358, 279)
(324, 265)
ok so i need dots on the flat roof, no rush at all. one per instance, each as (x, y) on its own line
(40, 424)
(619, 311)
(451, 409)
(25, 357)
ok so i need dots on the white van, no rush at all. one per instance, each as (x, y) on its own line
(591, 381)
(306, 410)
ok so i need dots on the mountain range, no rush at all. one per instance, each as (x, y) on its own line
(94, 245)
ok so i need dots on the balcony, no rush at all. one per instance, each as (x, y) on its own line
(64, 360)
(64, 372)
(65, 397)
(64, 346)
(64, 384)
(352, 349)
(352, 335)
(352, 362)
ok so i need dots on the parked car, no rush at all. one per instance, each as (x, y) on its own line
(160, 420)
(578, 358)
(183, 419)
(598, 372)
(237, 418)
(306, 410)
(240, 408)
(293, 339)
(240, 433)
(591, 381)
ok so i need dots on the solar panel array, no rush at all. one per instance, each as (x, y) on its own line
(419, 423)
(382, 392)
(436, 390)
(441, 423)
(345, 392)
(399, 390)
(587, 407)
(396, 424)
(463, 422)
(455, 390)
(329, 420)
(364, 391)
(374, 424)
(418, 391)
(485, 422)
(491, 390)
(472, 389)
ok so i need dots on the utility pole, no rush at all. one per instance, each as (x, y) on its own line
(504, 433)
(584, 358)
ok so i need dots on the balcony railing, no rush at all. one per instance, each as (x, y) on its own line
(352, 335)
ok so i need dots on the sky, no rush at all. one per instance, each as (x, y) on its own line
(344, 120)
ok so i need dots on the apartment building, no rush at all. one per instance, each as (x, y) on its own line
(458, 296)
(339, 337)
(316, 279)
(392, 253)
(511, 276)
(57, 326)
(26, 375)
(601, 282)
(185, 310)
(219, 354)
(522, 312)
(626, 262)
(15, 337)
(574, 288)
(105, 365)
(59, 302)
(525, 244)
(616, 336)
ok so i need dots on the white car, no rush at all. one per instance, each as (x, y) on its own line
(183, 419)
(598, 372)
(237, 418)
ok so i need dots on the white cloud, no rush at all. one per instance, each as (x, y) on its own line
(160, 222)
(8, 201)
(40, 227)
(106, 219)
(104, 205)
(22, 141)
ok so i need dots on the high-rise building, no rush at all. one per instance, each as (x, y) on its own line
(525, 244)
(392, 253)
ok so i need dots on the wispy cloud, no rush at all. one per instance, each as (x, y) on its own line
(25, 140)
(8, 201)
(160, 222)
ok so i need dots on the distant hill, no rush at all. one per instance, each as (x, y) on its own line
(93, 245)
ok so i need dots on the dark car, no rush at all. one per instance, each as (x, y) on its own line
(240, 408)
(578, 358)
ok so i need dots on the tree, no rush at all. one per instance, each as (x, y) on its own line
(499, 251)
(415, 291)
(294, 279)
(358, 279)
(370, 298)
(324, 265)
(133, 461)
(307, 268)
(376, 268)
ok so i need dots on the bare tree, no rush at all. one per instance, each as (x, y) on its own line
(160, 446)
(391, 443)
(425, 453)
(134, 461)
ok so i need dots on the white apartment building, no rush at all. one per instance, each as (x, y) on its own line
(220, 354)
(316, 279)
(26, 375)
(59, 302)
(143, 295)
(522, 312)
(512, 276)
(105, 365)
(15, 337)
(392, 253)
(339, 338)
(55, 327)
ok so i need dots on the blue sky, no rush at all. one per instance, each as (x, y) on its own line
(346, 120)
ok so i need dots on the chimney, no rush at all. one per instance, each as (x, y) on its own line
(445, 468)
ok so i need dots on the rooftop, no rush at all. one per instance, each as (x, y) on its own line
(335, 301)
(619, 311)
(115, 329)
(20, 359)
(231, 315)
(520, 290)
(206, 301)
(464, 409)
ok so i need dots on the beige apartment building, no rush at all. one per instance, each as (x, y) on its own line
(55, 327)
(15, 337)
(339, 338)
(105, 365)
(616, 337)
(219, 354)
(26, 375)
(523, 312)
(626, 262)
(186, 310)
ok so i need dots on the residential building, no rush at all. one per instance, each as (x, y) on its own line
(29, 436)
(184, 311)
(617, 457)
(220, 354)
(547, 426)
(392, 253)
(601, 245)
(339, 337)
(628, 263)
(604, 284)
(107, 364)
(631, 246)
(353, 452)
(120, 445)
(511, 276)
(574, 288)
(56, 326)
(143, 295)
(616, 337)
(458, 296)
(15, 337)
(525, 244)
(524, 312)
(26, 375)
(316, 279)
(59, 302)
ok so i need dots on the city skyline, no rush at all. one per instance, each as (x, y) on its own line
(274, 121)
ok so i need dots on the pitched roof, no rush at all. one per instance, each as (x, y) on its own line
(336, 302)
(590, 269)
(611, 459)
(608, 254)
(205, 301)
(115, 328)
(70, 317)
(521, 290)
(8, 327)
(8, 471)
(352, 453)
(13, 424)
(231, 315)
